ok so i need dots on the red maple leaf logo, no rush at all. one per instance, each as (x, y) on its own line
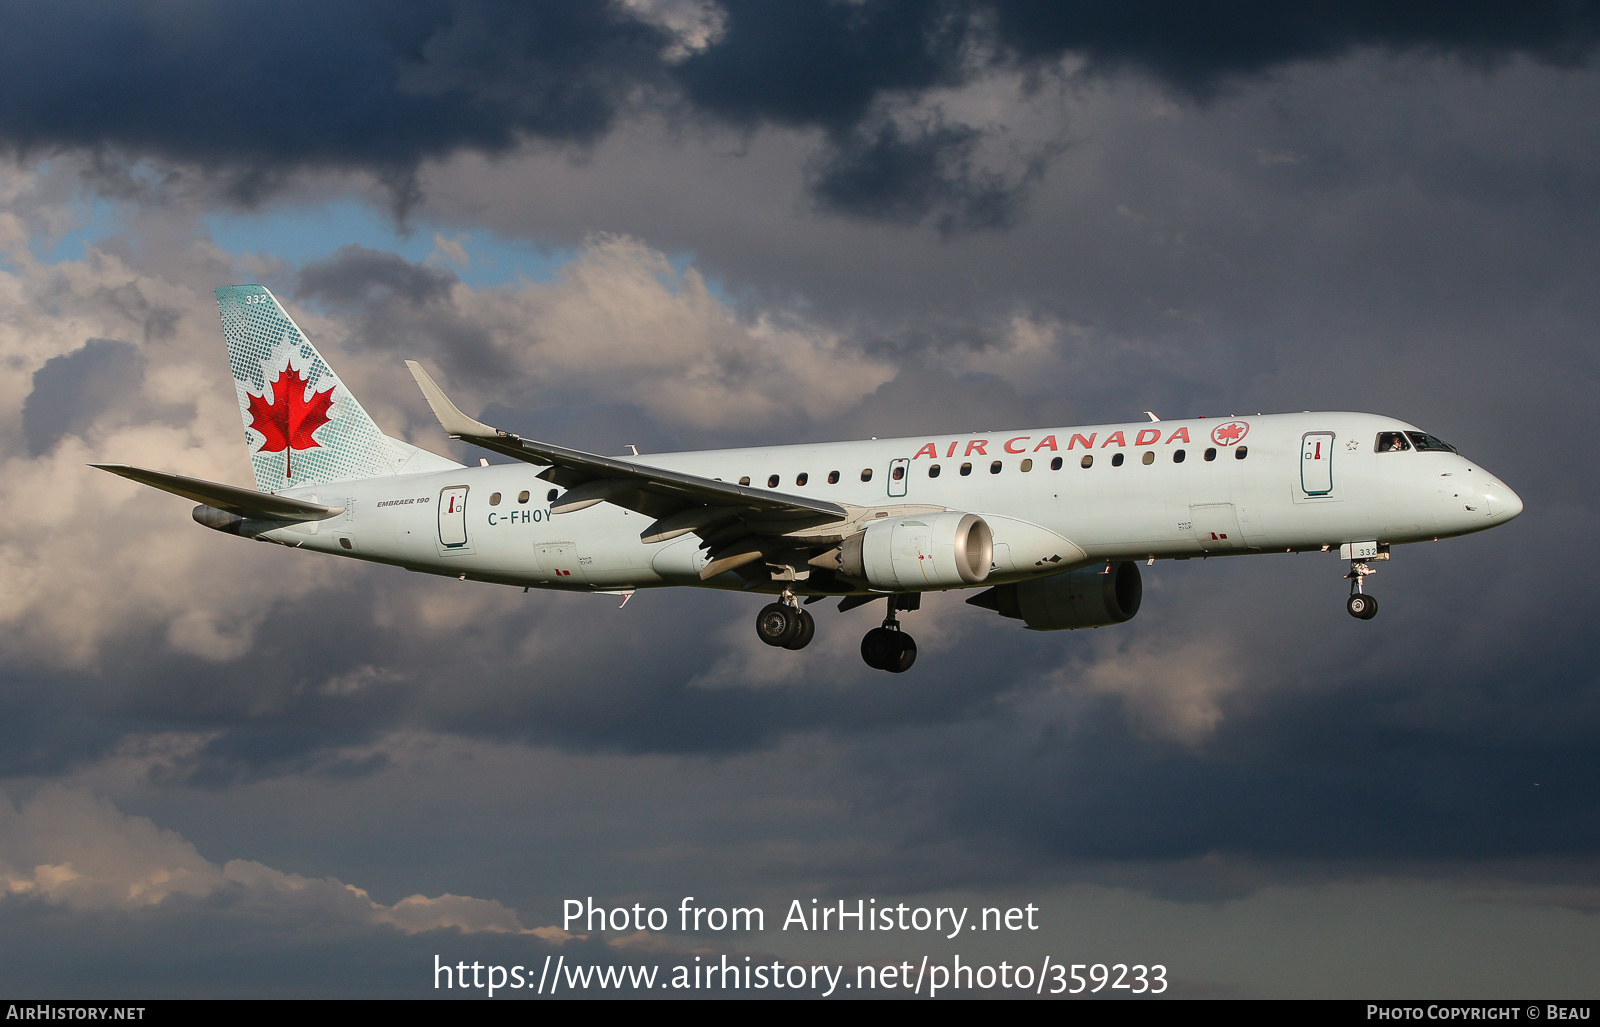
(288, 424)
(1228, 434)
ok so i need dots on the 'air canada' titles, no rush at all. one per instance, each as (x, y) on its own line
(1019, 444)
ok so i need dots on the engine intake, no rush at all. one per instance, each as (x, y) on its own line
(919, 552)
(1089, 597)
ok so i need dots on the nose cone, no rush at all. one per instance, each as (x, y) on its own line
(1503, 503)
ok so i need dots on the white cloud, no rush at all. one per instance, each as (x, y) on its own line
(693, 25)
(1173, 692)
(622, 323)
(67, 848)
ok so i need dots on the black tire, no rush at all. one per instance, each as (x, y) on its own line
(1362, 607)
(905, 654)
(878, 648)
(777, 625)
(808, 629)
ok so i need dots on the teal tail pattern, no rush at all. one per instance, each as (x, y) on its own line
(302, 425)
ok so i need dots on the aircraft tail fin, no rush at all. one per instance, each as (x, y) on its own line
(303, 426)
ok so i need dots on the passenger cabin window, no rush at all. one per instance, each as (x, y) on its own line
(966, 469)
(1178, 455)
(522, 497)
(1026, 465)
(772, 482)
(1241, 452)
(1087, 461)
(1116, 459)
(1392, 442)
(745, 480)
(897, 473)
(866, 474)
(1149, 457)
(801, 479)
(1211, 454)
(994, 468)
(933, 470)
(551, 498)
(1426, 443)
(1055, 464)
(833, 477)
(494, 499)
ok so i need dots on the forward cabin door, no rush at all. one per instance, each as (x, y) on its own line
(1316, 463)
(453, 518)
(899, 471)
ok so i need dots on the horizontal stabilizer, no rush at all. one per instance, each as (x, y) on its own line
(244, 502)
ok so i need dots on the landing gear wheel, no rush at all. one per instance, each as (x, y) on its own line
(779, 625)
(1362, 606)
(886, 649)
(808, 628)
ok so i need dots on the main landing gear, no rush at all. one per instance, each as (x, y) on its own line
(887, 647)
(785, 625)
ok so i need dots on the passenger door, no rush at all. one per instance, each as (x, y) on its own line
(899, 472)
(453, 519)
(1316, 463)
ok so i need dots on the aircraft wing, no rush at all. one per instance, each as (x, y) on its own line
(739, 524)
(244, 502)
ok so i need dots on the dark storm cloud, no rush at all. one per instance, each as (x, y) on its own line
(826, 63)
(259, 90)
(400, 306)
(71, 390)
(889, 173)
(357, 274)
(268, 86)
(1194, 46)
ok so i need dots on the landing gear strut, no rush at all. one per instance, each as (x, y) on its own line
(1360, 604)
(887, 647)
(785, 625)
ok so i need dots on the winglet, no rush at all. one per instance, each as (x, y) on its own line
(451, 419)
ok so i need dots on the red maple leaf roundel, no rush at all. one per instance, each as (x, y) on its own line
(288, 423)
(1229, 434)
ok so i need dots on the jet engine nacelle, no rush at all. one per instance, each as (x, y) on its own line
(920, 551)
(1089, 597)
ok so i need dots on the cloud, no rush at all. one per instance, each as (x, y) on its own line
(1174, 693)
(69, 849)
(383, 89)
(70, 390)
(621, 323)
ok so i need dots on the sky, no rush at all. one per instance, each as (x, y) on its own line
(232, 770)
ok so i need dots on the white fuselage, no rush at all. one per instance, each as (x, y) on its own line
(1306, 481)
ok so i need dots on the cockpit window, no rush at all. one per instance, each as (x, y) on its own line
(1392, 442)
(1429, 443)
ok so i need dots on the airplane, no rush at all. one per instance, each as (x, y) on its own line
(1050, 522)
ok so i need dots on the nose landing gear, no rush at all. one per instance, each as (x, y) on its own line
(785, 625)
(1360, 605)
(887, 647)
